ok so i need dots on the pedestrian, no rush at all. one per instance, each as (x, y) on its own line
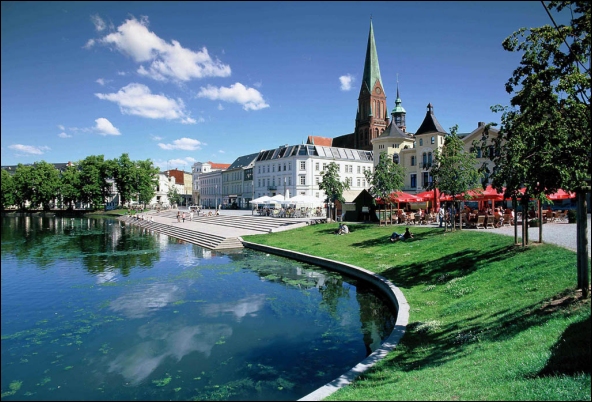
(183, 217)
(191, 216)
(441, 215)
(179, 216)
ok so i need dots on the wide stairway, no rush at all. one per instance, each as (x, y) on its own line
(206, 239)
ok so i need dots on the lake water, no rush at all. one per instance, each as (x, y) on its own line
(93, 309)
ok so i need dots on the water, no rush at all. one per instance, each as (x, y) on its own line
(96, 310)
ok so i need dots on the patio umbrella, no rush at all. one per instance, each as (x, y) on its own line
(261, 200)
(561, 195)
(429, 195)
(488, 194)
(401, 196)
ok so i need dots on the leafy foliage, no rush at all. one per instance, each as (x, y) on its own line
(147, 180)
(331, 185)
(94, 172)
(44, 184)
(70, 185)
(7, 192)
(124, 174)
(454, 171)
(388, 177)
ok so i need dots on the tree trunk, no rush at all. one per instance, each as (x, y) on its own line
(582, 243)
(540, 221)
(515, 208)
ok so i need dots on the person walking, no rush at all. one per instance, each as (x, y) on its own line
(183, 217)
(179, 216)
(191, 216)
(441, 215)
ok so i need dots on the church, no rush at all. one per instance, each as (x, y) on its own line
(376, 131)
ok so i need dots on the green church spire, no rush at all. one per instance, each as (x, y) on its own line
(371, 68)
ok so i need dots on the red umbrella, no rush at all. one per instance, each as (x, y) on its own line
(561, 195)
(488, 194)
(401, 196)
(429, 195)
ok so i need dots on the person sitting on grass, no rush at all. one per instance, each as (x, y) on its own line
(343, 229)
(396, 236)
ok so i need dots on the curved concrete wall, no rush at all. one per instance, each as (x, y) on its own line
(393, 293)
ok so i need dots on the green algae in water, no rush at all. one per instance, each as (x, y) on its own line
(162, 382)
(14, 387)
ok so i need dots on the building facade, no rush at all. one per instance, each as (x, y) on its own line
(237, 182)
(197, 169)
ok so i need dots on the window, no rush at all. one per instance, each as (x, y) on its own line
(396, 158)
(396, 146)
(424, 158)
(284, 166)
(302, 180)
(317, 179)
(420, 141)
(433, 140)
(425, 179)
(267, 168)
(273, 168)
(289, 166)
(302, 165)
(258, 169)
(317, 166)
(413, 180)
(289, 180)
(358, 169)
(358, 182)
(412, 162)
(324, 166)
(259, 183)
(429, 158)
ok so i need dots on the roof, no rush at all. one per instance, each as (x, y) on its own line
(393, 131)
(344, 141)
(398, 108)
(371, 68)
(351, 195)
(430, 123)
(221, 166)
(327, 142)
(243, 161)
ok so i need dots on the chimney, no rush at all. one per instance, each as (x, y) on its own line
(480, 124)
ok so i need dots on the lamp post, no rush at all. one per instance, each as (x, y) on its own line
(216, 206)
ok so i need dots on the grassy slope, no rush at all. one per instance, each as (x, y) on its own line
(488, 320)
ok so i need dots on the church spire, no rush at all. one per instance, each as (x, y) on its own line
(371, 68)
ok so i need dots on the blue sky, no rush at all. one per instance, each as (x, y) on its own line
(180, 82)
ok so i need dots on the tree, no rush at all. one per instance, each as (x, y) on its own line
(174, 196)
(124, 174)
(147, 180)
(454, 171)
(7, 197)
(388, 177)
(547, 131)
(70, 185)
(94, 172)
(22, 190)
(331, 185)
(44, 184)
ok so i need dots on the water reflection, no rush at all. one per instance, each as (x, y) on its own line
(240, 308)
(141, 303)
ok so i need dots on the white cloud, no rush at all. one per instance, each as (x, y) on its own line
(61, 127)
(185, 144)
(64, 135)
(250, 98)
(98, 22)
(346, 82)
(136, 99)
(187, 161)
(90, 43)
(220, 107)
(121, 73)
(168, 60)
(257, 84)
(29, 149)
(221, 152)
(156, 137)
(102, 81)
(104, 127)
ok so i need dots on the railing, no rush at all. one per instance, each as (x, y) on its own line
(273, 188)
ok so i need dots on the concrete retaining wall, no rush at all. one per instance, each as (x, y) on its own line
(393, 293)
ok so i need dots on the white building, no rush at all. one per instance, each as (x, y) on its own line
(199, 168)
(297, 169)
(164, 185)
(210, 189)
(237, 182)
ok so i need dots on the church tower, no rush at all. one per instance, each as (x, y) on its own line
(399, 113)
(372, 116)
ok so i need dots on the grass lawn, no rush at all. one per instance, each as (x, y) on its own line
(488, 320)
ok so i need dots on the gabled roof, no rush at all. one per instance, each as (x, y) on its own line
(371, 68)
(243, 161)
(430, 123)
(323, 141)
(221, 166)
(393, 131)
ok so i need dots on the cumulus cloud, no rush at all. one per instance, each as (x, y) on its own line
(250, 98)
(29, 149)
(104, 127)
(61, 127)
(98, 22)
(167, 60)
(156, 137)
(64, 135)
(102, 81)
(188, 161)
(346, 82)
(90, 43)
(185, 144)
(136, 99)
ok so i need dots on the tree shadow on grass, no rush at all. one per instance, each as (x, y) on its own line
(571, 354)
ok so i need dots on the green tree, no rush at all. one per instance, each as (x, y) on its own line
(331, 185)
(44, 184)
(94, 172)
(174, 196)
(454, 171)
(70, 186)
(388, 177)
(547, 131)
(7, 198)
(147, 180)
(22, 189)
(124, 174)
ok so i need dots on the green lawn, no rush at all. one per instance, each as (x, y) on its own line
(488, 320)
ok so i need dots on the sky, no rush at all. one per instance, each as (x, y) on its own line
(186, 82)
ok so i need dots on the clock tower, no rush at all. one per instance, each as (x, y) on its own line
(372, 116)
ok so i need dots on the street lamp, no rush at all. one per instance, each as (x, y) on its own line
(216, 206)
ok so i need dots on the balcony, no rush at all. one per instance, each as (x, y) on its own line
(272, 188)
